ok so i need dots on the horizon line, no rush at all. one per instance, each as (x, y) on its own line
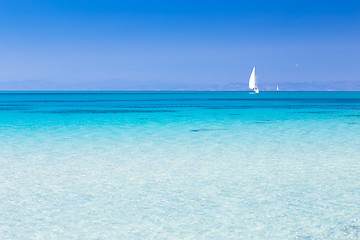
(39, 91)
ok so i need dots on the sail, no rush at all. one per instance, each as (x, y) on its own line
(277, 88)
(252, 81)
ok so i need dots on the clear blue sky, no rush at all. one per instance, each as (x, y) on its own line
(183, 42)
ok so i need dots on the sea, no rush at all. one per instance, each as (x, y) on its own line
(179, 165)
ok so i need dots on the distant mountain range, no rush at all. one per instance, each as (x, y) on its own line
(121, 85)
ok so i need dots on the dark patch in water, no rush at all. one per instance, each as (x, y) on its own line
(181, 115)
(319, 112)
(102, 111)
(206, 130)
(263, 122)
(235, 114)
(263, 107)
(353, 115)
(270, 106)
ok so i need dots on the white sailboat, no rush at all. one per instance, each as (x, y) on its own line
(277, 87)
(252, 82)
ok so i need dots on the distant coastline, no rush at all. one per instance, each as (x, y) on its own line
(121, 85)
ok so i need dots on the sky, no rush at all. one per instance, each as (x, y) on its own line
(178, 45)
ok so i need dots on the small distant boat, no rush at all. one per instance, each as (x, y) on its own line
(252, 82)
(277, 87)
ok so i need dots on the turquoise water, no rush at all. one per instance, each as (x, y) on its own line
(180, 165)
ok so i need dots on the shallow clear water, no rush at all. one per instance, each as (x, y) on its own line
(180, 165)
